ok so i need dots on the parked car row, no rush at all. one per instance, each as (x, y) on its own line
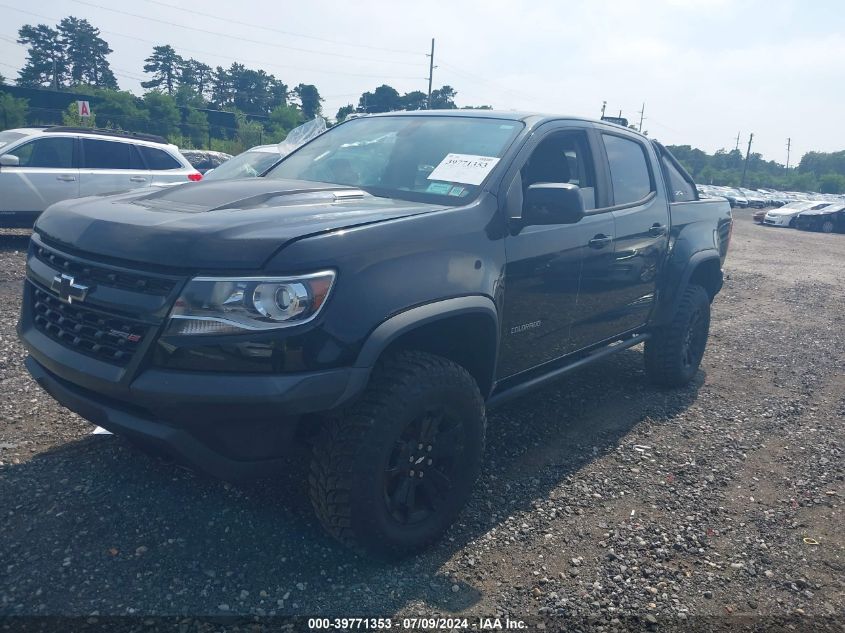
(810, 215)
(43, 165)
(740, 197)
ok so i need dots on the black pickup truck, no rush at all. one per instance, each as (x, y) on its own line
(374, 293)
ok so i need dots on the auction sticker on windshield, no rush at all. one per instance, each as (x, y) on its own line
(466, 169)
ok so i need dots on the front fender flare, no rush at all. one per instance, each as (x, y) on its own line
(395, 326)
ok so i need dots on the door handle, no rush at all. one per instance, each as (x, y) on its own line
(657, 230)
(137, 179)
(600, 241)
(66, 178)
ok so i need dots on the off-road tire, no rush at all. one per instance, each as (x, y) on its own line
(674, 352)
(347, 482)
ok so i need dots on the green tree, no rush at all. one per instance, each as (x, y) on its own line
(310, 101)
(164, 65)
(283, 119)
(162, 112)
(415, 100)
(221, 88)
(186, 97)
(196, 76)
(832, 183)
(2, 80)
(12, 111)
(250, 133)
(71, 117)
(85, 52)
(195, 127)
(45, 59)
(343, 112)
(443, 98)
(481, 107)
(122, 110)
(383, 99)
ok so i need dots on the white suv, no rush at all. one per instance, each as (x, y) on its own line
(40, 166)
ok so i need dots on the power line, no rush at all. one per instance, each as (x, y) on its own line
(229, 20)
(479, 79)
(238, 38)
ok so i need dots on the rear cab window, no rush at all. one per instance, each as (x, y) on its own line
(679, 184)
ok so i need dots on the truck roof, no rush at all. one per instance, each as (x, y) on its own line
(529, 118)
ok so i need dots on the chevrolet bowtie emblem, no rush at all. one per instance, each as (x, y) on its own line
(67, 288)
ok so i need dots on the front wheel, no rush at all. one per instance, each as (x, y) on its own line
(673, 353)
(827, 226)
(392, 475)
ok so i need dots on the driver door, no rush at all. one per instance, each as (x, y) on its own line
(545, 263)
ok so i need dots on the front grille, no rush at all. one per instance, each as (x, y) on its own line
(137, 282)
(106, 337)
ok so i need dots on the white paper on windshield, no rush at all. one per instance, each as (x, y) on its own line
(466, 169)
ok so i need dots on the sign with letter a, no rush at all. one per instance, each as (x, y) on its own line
(84, 108)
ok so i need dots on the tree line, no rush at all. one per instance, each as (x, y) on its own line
(73, 56)
(817, 171)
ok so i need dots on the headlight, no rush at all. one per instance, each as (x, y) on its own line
(225, 305)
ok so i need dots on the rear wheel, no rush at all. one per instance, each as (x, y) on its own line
(827, 226)
(392, 474)
(673, 353)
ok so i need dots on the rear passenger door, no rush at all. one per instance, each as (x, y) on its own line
(641, 213)
(111, 166)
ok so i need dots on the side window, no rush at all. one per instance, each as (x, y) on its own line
(158, 160)
(680, 189)
(107, 155)
(628, 169)
(562, 157)
(53, 153)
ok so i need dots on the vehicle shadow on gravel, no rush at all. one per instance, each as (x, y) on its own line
(96, 525)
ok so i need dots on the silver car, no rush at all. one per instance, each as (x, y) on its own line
(40, 166)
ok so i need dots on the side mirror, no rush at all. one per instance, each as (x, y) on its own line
(9, 160)
(552, 203)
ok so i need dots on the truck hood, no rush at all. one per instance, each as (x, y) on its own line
(234, 224)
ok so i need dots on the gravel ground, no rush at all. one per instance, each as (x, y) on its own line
(603, 497)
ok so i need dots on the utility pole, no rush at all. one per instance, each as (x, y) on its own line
(430, 74)
(788, 148)
(642, 113)
(745, 164)
(737, 141)
(603, 106)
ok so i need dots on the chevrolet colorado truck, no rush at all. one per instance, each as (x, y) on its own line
(374, 293)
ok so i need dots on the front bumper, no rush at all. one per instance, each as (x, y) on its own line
(230, 426)
(777, 220)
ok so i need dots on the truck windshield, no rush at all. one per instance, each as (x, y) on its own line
(440, 159)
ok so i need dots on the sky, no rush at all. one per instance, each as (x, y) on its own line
(706, 70)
